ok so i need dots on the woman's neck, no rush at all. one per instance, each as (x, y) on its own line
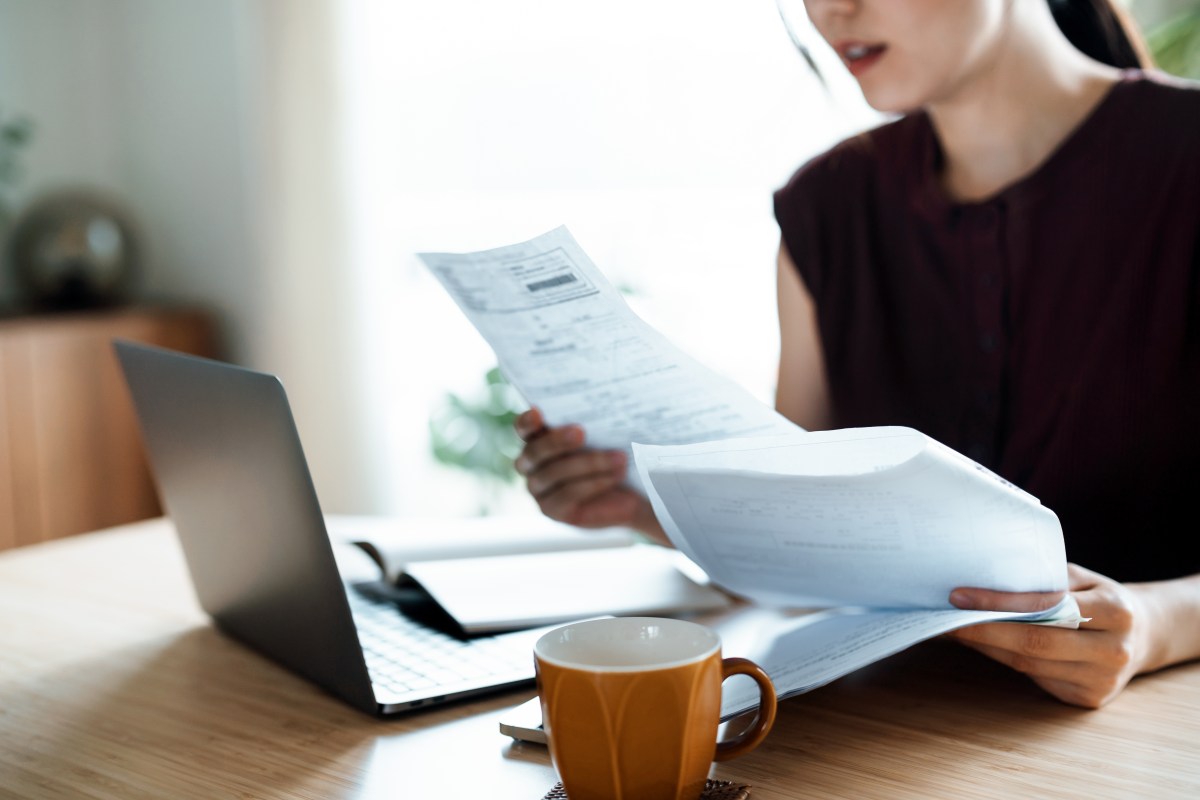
(1000, 124)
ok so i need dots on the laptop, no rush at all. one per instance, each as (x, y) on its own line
(226, 456)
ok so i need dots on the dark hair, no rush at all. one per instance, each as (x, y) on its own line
(1102, 30)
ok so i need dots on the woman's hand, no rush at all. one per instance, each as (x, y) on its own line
(577, 485)
(1086, 667)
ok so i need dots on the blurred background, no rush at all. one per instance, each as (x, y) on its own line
(263, 171)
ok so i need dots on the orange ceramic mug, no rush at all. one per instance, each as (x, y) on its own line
(631, 705)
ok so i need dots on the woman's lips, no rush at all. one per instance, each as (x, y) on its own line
(859, 56)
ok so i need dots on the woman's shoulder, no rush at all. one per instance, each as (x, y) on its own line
(853, 167)
(829, 195)
(1164, 90)
(1161, 110)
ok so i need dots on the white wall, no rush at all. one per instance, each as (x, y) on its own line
(212, 122)
(143, 101)
(57, 64)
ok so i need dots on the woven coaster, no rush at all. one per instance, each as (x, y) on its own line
(713, 790)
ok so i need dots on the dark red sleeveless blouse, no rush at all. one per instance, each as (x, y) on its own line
(1052, 332)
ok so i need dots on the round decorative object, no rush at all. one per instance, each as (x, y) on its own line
(73, 251)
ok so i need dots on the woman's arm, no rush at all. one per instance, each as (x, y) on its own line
(1173, 613)
(1133, 629)
(802, 394)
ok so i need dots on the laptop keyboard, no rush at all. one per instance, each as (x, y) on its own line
(404, 656)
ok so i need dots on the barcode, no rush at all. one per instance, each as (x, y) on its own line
(549, 283)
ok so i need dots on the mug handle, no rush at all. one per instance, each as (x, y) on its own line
(758, 730)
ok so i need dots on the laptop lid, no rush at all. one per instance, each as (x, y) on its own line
(226, 455)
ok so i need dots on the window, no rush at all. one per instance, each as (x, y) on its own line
(655, 131)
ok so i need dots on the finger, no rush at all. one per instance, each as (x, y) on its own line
(564, 503)
(988, 600)
(583, 464)
(1081, 578)
(530, 424)
(616, 507)
(1037, 641)
(1105, 608)
(552, 443)
(1080, 683)
(1039, 668)
(1074, 693)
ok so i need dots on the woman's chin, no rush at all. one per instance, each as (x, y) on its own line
(891, 99)
(892, 96)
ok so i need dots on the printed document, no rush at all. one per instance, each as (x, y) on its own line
(804, 651)
(568, 342)
(877, 525)
(883, 517)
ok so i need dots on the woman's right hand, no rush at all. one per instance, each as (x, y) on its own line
(578, 485)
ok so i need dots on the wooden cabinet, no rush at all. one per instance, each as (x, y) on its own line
(71, 457)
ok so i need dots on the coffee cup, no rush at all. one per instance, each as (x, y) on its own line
(631, 705)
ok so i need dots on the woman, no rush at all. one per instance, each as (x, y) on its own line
(1012, 267)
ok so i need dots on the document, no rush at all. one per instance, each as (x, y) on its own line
(395, 544)
(494, 574)
(568, 342)
(534, 589)
(806, 651)
(875, 525)
(884, 517)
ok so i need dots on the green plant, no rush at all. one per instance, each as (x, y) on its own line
(1175, 45)
(15, 135)
(476, 433)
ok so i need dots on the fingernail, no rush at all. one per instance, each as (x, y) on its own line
(960, 598)
(575, 436)
(617, 458)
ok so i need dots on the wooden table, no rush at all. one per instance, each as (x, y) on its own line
(113, 684)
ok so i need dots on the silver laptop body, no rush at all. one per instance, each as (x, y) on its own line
(232, 476)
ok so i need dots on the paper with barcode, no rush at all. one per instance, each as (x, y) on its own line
(568, 342)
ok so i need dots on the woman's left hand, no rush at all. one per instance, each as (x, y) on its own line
(1086, 667)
